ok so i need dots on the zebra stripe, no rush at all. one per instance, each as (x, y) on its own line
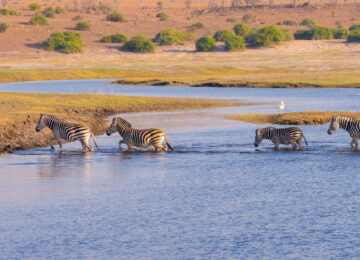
(139, 138)
(289, 135)
(351, 125)
(66, 131)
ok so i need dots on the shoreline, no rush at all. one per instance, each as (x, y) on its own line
(18, 127)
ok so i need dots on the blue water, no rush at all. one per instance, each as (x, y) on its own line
(214, 197)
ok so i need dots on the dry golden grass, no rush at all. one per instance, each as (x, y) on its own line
(294, 118)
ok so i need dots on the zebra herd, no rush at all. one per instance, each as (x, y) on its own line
(155, 137)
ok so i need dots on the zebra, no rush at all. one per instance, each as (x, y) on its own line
(139, 138)
(351, 125)
(66, 131)
(290, 135)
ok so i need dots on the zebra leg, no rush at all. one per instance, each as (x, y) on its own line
(299, 144)
(293, 145)
(51, 143)
(60, 145)
(352, 143)
(356, 143)
(121, 142)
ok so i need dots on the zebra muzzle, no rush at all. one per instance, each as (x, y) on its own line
(330, 132)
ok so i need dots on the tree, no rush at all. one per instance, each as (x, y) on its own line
(4, 2)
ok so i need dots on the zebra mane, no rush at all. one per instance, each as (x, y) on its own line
(122, 122)
(347, 118)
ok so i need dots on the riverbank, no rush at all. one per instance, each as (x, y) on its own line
(20, 113)
(294, 118)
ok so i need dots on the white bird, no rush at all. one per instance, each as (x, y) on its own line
(282, 105)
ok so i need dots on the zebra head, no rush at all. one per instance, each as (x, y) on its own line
(117, 123)
(334, 125)
(41, 123)
(258, 137)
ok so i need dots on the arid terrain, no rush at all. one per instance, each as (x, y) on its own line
(333, 62)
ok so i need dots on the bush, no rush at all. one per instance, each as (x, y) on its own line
(267, 35)
(115, 17)
(60, 10)
(354, 36)
(248, 18)
(315, 33)
(8, 12)
(195, 26)
(205, 43)
(306, 4)
(34, 7)
(39, 19)
(289, 22)
(320, 33)
(49, 12)
(231, 20)
(234, 43)
(67, 42)
(3, 27)
(83, 26)
(241, 29)
(341, 33)
(354, 27)
(222, 35)
(308, 22)
(301, 35)
(172, 36)
(77, 18)
(115, 38)
(163, 16)
(288, 35)
(139, 44)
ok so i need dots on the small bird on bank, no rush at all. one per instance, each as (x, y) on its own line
(282, 105)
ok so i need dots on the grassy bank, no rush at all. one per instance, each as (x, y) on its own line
(20, 112)
(293, 118)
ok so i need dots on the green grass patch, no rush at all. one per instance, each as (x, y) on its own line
(39, 19)
(34, 7)
(83, 26)
(172, 36)
(115, 38)
(49, 12)
(7, 12)
(205, 43)
(163, 17)
(3, 27)
(139, 44)
(234, 43)
(196, 26)
(67, 42)
(223, 35)
(116, 17)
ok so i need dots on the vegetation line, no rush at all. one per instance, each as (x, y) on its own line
(294, 118)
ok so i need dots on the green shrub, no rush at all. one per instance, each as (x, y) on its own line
(315, 33)
(60, 10)
(195, 26)
(67, 42)
(266, 36)
(354, 36)
(308, 22)
(320, 33)
(301, 35)
(172, 36)
(139, 44)
(49, 12)
(242, 29)
(234, 43)
(289, 22)
(249, 18)
(163, 16)
(231, 20)
(77, 18)
(34, 7)
(8, 12)
(354, 27)
(115, 17)
(205, 43)
(39, 19)
(341, 33)
(288, 35)
(83, 26)
(115, 38)
(3, 27)
(222, 35)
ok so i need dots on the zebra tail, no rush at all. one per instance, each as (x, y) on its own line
(94, 139)
(168, 144)
(305, 140)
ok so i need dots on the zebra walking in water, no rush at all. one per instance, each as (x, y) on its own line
(351, 125)
(66, 131)
(290, 135)
(140, 138)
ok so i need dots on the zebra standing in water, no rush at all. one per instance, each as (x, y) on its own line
(290, 135)
(140, 138)
(351, 125)
(66, 131)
